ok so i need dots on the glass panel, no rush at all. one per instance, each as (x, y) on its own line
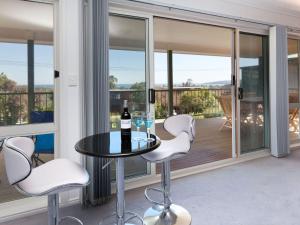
(293, 69)
(127, 59)
(13, 84)
(161, 94)
(26, 78)
(201, 73)
(43, 84)
(253, 83)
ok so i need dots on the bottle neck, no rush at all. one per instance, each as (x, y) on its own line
(125, 109)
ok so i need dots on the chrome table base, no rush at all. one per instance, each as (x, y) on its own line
(175, 215)
(120, 215)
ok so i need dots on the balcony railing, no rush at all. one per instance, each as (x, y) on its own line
(137, 99)
(205, 94)
(14, 107)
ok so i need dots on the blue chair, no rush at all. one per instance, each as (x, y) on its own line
(42, 116)
(44, 144)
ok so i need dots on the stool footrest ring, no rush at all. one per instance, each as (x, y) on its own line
(132, 216)
(154, 201)
(71, 218)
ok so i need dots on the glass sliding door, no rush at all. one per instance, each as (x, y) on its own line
(253, 93)
(27, 86)
(193, 75)
(128, 79)
(294, 103)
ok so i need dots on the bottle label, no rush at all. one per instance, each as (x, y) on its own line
(126, 124)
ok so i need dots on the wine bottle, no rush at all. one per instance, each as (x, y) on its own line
(125, 123)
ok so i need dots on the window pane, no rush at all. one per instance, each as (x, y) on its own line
(13, 84)
(15, 92)
(254, 83)
(161, 86)
(200, 58)
(43, 84)
(293, 70)
(127, 59)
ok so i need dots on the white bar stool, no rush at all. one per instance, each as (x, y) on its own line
(165, 212)
(48, 179)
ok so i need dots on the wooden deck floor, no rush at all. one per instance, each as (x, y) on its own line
(211, 144)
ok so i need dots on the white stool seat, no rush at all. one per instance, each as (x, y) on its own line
(53, 177)
(169, 149)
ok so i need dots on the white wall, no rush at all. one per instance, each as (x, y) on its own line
(70, 67)
(250, 10)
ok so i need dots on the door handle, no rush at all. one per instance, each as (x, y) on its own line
(151, 96)
(56, 74)
(240, 93)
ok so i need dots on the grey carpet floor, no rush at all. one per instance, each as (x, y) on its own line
(260, 192)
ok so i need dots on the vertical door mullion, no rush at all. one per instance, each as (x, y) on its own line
(298, 49)
(150, 78)
(170, 82)
(233, 95)
(237, 101)
(56, 89)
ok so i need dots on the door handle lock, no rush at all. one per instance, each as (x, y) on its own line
(151, 96)
(240, 93)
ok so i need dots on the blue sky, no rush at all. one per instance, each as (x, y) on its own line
(13, 62)
(127, 66)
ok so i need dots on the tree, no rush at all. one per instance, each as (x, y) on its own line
(196, 103)
(188, 83)
(10, 108)
(113, 82)
(138, 95)
(7, 85)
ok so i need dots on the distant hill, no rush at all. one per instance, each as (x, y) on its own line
(208, 84)
(216, 83)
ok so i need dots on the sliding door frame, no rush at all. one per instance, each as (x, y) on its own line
(149, 63)
(238, 32)
(296, 36)
(16, 208)
(149, 14)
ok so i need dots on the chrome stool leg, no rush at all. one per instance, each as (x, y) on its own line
(53, 211)
(166, 213)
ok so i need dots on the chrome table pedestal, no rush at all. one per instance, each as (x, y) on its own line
(120, 180)
(120, 214)
(166, 213)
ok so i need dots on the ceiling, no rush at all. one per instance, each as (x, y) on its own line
(22, 20)
(128, 33)
(288, 5)
(179, 36)
(189, 37)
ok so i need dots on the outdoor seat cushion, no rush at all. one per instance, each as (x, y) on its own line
(54, 176)
(170, 149)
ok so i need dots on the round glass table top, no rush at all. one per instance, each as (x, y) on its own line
(111, 145)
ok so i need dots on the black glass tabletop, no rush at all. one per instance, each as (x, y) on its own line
(111, 145)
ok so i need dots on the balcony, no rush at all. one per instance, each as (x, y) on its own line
(14, 108)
